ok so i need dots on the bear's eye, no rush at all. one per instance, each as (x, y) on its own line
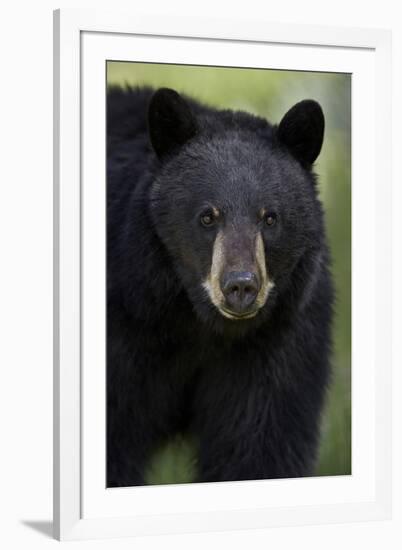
(270, 218)
(207, 218)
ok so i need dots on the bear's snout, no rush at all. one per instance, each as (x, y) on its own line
(240, 289)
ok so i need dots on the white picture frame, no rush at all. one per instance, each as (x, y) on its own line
(83, 507)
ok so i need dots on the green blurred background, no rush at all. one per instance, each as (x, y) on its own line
(270, 93)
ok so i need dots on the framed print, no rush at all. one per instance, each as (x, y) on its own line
(222, 286)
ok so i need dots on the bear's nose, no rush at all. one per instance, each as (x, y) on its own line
(240, 289)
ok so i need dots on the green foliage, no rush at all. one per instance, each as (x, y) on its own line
(270, 93)
(174, 463)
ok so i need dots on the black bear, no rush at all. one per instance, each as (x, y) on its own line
(219, 294)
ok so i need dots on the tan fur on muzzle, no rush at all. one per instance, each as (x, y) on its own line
(218, 263)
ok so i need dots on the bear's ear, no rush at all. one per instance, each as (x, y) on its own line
(302, 131)
(170, 121)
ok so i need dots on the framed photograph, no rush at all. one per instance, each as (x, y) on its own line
(222, 275)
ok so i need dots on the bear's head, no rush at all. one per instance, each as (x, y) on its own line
(235, 203)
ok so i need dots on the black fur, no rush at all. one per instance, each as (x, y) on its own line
(250, 391)
(302, 131)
